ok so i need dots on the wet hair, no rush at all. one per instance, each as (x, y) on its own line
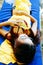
(25, 53)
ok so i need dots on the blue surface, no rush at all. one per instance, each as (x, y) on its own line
(36, 13)
(37, 58)
(8, 64)
(5, 14)
(36, 10)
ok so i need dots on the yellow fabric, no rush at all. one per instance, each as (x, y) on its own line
(21, 23)
(6, 53)
(22, 5)
(17, 2)
(27, 2)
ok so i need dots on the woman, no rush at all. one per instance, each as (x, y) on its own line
(15, 36)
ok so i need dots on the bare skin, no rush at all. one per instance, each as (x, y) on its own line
(12, 23)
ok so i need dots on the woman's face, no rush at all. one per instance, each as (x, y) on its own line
(23, 48)
(23, 39)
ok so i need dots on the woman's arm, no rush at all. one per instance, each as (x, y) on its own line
(33, 20)
(34, 28)
(4, 23)
(24, 13)
(34, 25)
(10, 22)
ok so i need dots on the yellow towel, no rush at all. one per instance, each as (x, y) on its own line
(22, 5)
(6, 53)
(17, 2)
(27, 2)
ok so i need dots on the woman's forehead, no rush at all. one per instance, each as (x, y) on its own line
(25, 39)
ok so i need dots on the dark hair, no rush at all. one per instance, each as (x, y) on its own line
(25, 53)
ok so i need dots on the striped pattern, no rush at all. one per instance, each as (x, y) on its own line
(5, 11)
(5, 14)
